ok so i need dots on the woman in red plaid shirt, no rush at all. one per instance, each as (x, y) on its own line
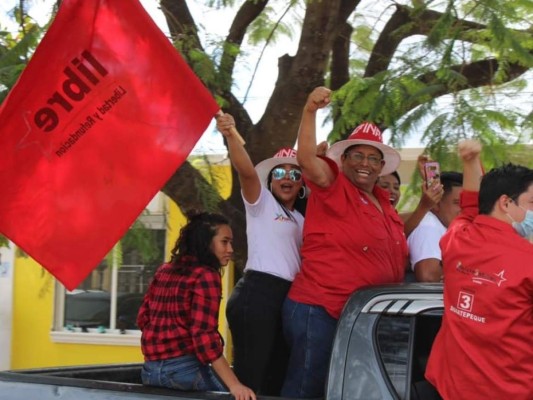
(179, 314)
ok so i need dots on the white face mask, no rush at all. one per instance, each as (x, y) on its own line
(525, 227)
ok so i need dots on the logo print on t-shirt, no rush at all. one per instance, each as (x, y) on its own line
(464, 307)
(465, 303)
(481, 277)
(281, 218)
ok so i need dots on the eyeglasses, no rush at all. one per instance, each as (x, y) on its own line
(359, 157)
(280, 173)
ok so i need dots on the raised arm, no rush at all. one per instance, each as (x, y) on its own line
(313, 167)
(469, 152)
(430, 197)
(250, 184)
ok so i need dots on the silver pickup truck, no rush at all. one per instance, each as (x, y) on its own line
(380, 352)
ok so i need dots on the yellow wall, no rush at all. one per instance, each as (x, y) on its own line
(32, 346)
(32, 323)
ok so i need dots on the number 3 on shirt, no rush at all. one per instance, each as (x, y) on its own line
(465, 301)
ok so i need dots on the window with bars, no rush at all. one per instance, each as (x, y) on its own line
(108, 300)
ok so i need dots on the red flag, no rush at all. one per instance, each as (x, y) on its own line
(99, 120)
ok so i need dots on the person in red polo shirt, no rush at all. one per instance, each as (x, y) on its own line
(484, 349)
(353, 237)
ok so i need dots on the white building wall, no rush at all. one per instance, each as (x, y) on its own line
(7, 258)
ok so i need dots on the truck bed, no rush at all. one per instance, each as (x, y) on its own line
(120, 381)
(380, 352)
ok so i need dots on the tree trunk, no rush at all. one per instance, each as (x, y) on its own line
(324, 46)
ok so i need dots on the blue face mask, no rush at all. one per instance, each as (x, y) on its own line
(525, 228)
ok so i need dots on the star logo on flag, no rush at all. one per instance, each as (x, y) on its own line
(33, 138)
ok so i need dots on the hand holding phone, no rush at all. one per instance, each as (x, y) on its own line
(432, 173)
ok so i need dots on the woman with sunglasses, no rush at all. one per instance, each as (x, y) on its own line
(274, 199)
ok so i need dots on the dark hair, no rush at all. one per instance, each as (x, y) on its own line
(509, 179)
(196, 236)
(300, 204)
(397, 176)
(450, 179)
(347, 149)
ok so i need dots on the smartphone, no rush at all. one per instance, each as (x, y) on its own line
(432, 173)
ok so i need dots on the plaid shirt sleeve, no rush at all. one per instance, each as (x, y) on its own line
(206, 296)
(143, 315)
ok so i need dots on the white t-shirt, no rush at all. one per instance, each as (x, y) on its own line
(274, 240)
(424, 241)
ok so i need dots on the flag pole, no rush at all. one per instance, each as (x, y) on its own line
(233, 130)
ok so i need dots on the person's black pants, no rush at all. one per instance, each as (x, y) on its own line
(260, 354)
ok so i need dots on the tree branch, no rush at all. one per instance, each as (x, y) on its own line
(346, 9)
(388, 42)
(248, 12)
(477, 74)
(406, 22)
(181, 23)
(297, 76)
(340, 57)
(243, 121)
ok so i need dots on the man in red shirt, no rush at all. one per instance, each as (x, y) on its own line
(484, 348)
(353, 237)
